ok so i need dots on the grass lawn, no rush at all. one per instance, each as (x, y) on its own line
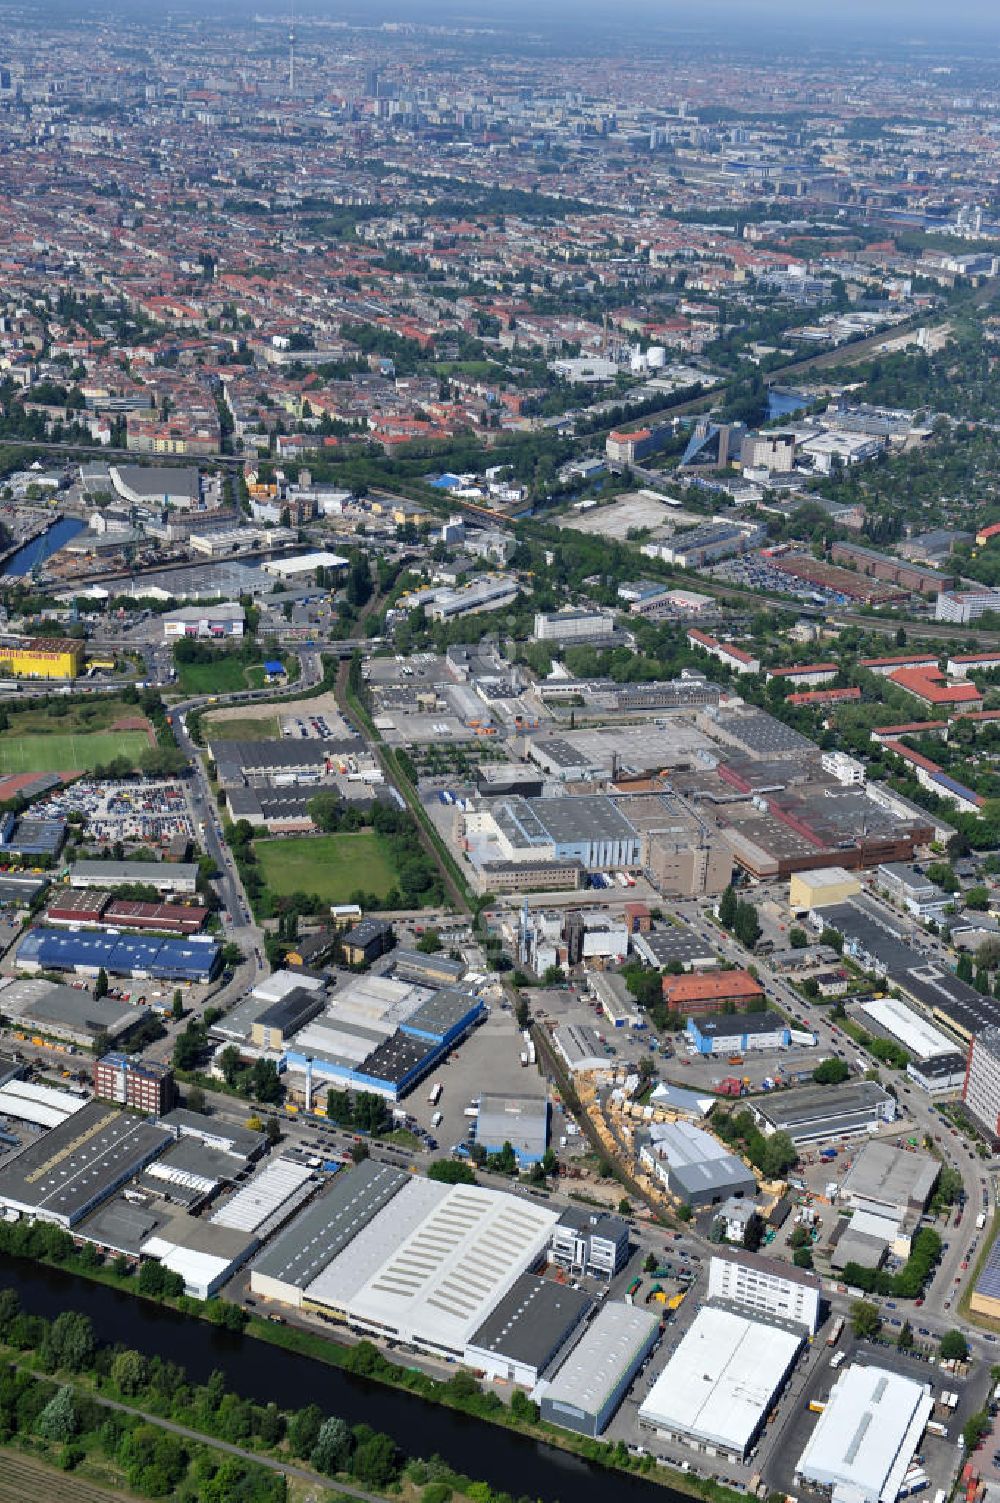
(62, 751)
(226, 676)
(332, 866)
(86, 715)
(245, 728)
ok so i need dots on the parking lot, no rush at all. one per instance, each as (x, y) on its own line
(755, 573)
(321, 726)
(489, 1060)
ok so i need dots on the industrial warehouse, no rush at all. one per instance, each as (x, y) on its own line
(720, 1384)
(867, 1435)
(381, 1033)
(88, 951)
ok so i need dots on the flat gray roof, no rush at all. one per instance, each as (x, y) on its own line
(73, 1167)
(613, 1344)
(242, 1141)
(48, 1002)
(563, 821)
(319, 1233)
(532, 1320)
(797, 1109)
(522, 1121)
(115, 873)
(120, 1225)
(897, 1176)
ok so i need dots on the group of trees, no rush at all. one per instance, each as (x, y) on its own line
(258, 1079)
(908, 1283)
(773, 1156)
(159, 1464)
(365, 1112)
(191, 1046)
(739, 917)
(832, 1071)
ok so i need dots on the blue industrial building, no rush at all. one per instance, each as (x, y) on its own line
(138, 955)
(401, 1058)
(22, 835)
(738, 1032)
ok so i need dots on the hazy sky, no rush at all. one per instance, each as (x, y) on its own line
(839, 20)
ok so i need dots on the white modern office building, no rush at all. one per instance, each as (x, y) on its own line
(765, 1287)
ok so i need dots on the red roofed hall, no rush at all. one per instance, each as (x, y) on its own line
(694, 995)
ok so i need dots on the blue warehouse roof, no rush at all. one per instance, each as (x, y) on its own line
(172, 959)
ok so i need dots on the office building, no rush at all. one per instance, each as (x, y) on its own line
(144, 1085)
(765, 1286)
(367, 941)
(906, 885)
(732, 657)
(588, 1242)
(867, 1435)
(572, 626)
(965, 606)
(981, 1091)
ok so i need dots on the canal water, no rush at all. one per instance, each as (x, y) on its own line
(256, 1370)
(783, 403)
(39, 549)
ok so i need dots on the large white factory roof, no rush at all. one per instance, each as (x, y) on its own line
(433, 1282)
(916, 1035)
(867, 1435)
(341, 1279)
(721, 1380)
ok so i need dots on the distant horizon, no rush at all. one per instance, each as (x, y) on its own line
(908, 25)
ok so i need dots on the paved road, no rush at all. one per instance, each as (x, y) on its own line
(238, 924)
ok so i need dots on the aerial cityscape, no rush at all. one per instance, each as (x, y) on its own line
(499, 754)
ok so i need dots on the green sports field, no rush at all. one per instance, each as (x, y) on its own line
(226, 676)
(67, 751)
(332, 866)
